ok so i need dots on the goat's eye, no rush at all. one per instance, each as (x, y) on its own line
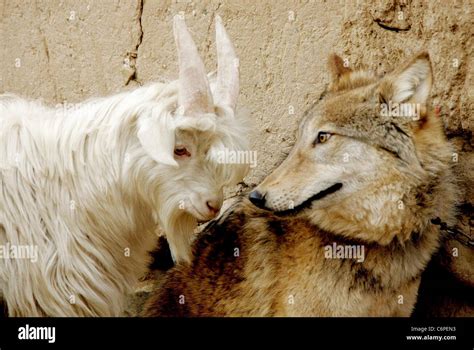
(181, 151)
(322, 137)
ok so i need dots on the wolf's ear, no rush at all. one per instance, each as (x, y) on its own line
(337, 67)
(410, 83)
(157, 137)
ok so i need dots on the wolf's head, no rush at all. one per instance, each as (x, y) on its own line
(370, 161)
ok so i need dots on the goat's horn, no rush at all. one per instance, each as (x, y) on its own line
(227, 89)
(194, 96)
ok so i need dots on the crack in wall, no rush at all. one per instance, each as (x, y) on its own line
(48, 63)
(133, 55)
(393, 29)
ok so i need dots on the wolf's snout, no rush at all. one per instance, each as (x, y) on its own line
(257, 198)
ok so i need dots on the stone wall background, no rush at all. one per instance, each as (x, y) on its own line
(64, 51)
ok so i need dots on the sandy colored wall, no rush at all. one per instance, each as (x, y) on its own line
(66, 51)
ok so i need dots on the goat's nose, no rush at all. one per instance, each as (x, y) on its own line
(214, 205)
(257, 198)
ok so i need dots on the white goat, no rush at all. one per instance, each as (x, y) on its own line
(87, 188)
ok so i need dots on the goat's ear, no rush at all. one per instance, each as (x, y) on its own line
(227, 84)
(410, 83)
(157, 136)
(337, 68)
(194, 95)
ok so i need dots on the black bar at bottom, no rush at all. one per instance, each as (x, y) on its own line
(310, 333)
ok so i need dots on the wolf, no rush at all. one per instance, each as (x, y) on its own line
(355, 177)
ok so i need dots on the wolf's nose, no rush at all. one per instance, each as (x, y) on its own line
(257, 198)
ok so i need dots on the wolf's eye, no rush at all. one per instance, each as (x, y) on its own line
(322, 137)
(181, 151)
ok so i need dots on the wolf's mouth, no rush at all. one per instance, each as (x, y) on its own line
(307, 203)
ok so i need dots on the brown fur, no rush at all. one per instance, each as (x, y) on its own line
(256, 262)
(280, 258)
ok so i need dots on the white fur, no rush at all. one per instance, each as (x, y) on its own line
(89, 186)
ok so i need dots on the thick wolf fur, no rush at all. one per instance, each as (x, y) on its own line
(375, 182)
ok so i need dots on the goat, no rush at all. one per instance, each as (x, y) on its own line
(86, 187)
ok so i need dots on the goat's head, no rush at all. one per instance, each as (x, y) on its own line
(193, 122)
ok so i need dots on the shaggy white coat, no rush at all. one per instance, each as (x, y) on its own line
(88, 186)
